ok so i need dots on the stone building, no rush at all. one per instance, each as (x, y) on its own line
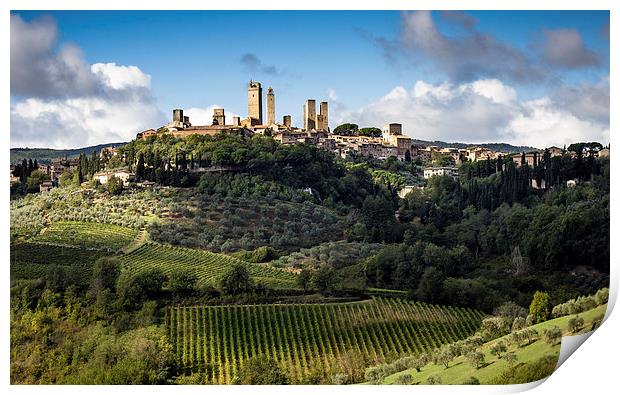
(440, 171)
(286, 120)
(219, 118)
(255, 103)
(322, 120)
(124, 175)
(271, 107)
(310, 114)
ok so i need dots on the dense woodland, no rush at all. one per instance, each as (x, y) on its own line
(477, 241)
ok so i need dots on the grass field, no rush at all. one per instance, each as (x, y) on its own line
(208, 266)
(460, 370)
(87, 235)
(304, 338)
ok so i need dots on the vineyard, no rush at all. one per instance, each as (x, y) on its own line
(88, 235)
(71, 245)
(216, 340)
(32, 260)
(208, 266)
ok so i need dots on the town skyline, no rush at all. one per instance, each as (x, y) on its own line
(539, 98)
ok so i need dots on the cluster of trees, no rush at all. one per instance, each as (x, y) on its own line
(30, 177)
(351, 129)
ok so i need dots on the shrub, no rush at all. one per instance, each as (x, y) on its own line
(540, 308)
(403, 379)
(553, 335)
(182, 282)
(475, 359)
(510, 358)
(261, 370)
(472, 381)
(602, 296)
(494, 327)
(499, 348)
(375, 375)
(597, 321)
(518, 324)
(443, 356)
(575, 324)
(236, 281)
(510, 310)
(529, 320)
(433, 380)
(340, 379)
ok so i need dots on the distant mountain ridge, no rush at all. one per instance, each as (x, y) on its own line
(45, 155)
(500, 147)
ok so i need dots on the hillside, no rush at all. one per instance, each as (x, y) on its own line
(497, 370)
(304, 339)
(45, 155)
(207, 266)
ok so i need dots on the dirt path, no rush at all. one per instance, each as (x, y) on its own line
(136, 243)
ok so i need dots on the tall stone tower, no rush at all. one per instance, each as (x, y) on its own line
(310, 114)
(322, 121)
(177, 115)
(219, 118)
(271, 107)
(255, 103)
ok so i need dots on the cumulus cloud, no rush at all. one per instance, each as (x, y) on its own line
(253, 64)
(60, 101)
(565, 48)
(204, 115)
(37, 70)
(468, 56)
(487, 111)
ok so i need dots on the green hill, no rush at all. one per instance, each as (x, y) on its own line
(310, 339)
(208, 266)
(45, 155)
(494, 368)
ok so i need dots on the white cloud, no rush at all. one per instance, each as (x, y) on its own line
(494, 89)
(120, 77)
(487, 111)
(78, 122)
(60, 101)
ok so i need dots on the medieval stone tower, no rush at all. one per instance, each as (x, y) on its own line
(271, 107)
(177, 115)
(322, 121)
(310, 114)
(218, 116)
(255, 103)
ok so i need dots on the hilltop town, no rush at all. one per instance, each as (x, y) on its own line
(345, 141)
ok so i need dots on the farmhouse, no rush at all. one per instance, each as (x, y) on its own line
(123, 174)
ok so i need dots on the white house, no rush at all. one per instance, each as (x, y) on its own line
(440, 171)
(122, 174)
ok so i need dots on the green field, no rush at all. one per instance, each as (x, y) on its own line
(70, 245)
(208, 266)
(460, 370)
(32, 260)
(88, 235)
(216, 340)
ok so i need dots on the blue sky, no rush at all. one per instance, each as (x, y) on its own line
(355, 58)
